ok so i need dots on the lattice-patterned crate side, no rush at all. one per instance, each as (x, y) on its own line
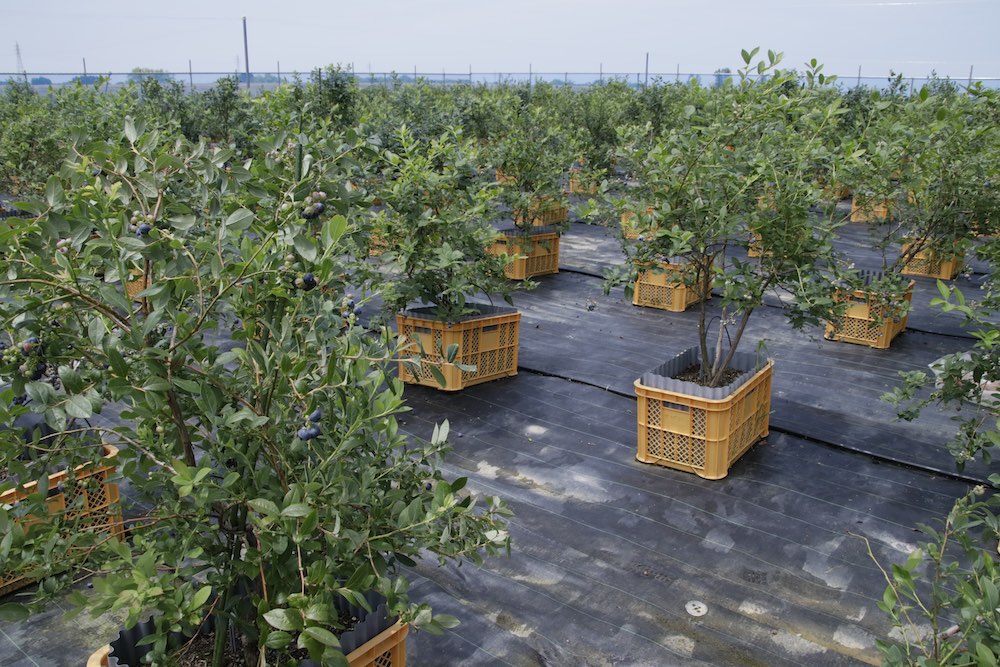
(88, 499)
(488, 343)
(630, 224)
(387, 649)
(135, 285)
(932, 265)
(577, 186)
(699, 435)
(545, 211)
(861, 326)
(870, 211)
(537, 254)
(664, 289)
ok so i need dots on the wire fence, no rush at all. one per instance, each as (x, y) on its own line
(199, 81)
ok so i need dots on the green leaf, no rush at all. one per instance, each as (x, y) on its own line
(54, 192)
(334, 229)
(201, 597)
(319, 613)
(147, 185)
(438, 375)
(323, 636)
(452, 352)
(309, 523)
(296, 510)
(306, 247)
(239, 219)
(182, 223)
(96, 330)
(71, 380)
(985, 656)
(278, 640)
(78, 406)
(13, 612)
(130, 131)
(284, 619)
(446, 621)
(263, 506)
(189, 386)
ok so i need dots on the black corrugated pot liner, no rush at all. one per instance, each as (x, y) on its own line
(662, 377)
(125, 651)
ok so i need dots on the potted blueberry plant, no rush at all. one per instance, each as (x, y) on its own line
(741, 160)
(435, 223)
(923, 158)
(269, 483)
(531, 160)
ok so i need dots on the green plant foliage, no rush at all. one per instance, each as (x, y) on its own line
(741, 163)
(332, 94)
(531, 159)
(926, 158)
(227, 114)
(256, 418)
(434, 224)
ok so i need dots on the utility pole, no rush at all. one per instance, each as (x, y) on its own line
(970, 74)
(246, 51)
(646, 81)
(859, 75)
(20, 62)
(529, 76)
(85, 67)
(601, 75)
(190, 76)
(678, 77)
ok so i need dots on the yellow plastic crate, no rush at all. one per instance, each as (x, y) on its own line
(629, 223)
(577, 186)
(932, 264)
(536, 254)
(872, 212)
(701, 435)
(136, 284)
(387, 649)
(488, 341)
(100, 511)
(664, 289)
(545, 211)
(836, 192)
(861, 326)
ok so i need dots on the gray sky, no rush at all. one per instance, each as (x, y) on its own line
(909, 36)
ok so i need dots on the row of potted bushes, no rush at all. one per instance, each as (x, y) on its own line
(707, 180)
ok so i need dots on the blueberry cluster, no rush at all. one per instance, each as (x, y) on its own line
(141, 224)
(26, 359)
(311, 430)
(314, 205)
